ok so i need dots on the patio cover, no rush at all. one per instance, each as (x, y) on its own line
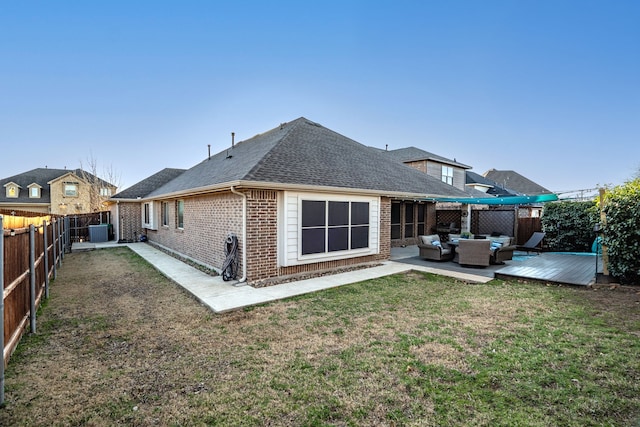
(507, 200)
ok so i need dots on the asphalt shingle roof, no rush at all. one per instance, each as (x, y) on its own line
(302, 152)
(40, 176)
(412, 154)
(494, 190)
(515, 182)
(147, 185)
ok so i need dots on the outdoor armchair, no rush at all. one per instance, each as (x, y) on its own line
(474, 252)
(432, 249)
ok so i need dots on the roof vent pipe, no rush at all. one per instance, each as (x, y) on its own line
(233, 137)
(209, 147)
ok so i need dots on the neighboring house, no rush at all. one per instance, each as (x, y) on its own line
(515, 183)
(508, 182)
(448, 171)
(486, 185)
(300, 198)
(54, 191)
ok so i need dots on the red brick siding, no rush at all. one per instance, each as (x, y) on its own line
(262, 234)
(129, 221)
(208, 219)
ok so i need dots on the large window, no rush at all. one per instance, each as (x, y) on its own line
(180, 214)
(332, 226)
(447, 174)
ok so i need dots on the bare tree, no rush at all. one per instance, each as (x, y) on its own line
(102, 185)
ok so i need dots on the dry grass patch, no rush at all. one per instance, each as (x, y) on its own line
(118, 343)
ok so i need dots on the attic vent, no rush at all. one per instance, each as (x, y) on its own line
(282, 125)
(314, 124)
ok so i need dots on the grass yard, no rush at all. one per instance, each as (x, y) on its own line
(118, 343)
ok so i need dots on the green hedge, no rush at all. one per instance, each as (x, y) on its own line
(621, 233)
(569, 225)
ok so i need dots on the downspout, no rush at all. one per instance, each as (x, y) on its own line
(244, 234)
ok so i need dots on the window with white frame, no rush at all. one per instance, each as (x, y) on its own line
(105, 192)
(165, 214)
(34, 192)
(147, 213)
(447, 174)
(149, 216)
(333, 226)
(180, 214)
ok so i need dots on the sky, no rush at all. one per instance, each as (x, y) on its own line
(549, 89)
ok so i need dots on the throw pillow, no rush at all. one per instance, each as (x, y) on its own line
(436, 243)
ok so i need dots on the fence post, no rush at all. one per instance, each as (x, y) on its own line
(54, 227)
(32, 274)
(60, 248)
(46, 258)
(2, 310)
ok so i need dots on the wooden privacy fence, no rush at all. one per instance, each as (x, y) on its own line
(29, 257)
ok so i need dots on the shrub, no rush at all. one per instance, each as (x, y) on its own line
(621, 233)
(569, 225)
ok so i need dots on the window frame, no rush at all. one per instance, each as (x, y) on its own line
(333, 231)
(447, 174)
(180, 214)
(165, 214)
(67, 187)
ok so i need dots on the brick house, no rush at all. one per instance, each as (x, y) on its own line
(54, 191)
(300, 198)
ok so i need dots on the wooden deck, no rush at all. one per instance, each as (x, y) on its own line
(567, 269)
(556, 268)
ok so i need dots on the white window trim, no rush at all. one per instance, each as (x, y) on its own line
(290, 235)
(152, 223)
(446, 176)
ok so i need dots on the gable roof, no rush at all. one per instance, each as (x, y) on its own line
(494, 188)
(515, 182)
(413, 154)
(40, 176)
(147, 185)
(302, 153)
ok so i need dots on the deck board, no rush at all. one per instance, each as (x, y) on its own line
(558, 268)
(553, 267)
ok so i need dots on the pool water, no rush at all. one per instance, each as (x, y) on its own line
(524, 257)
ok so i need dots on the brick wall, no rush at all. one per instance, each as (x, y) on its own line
(208, 219)
(262, 234)
(262, 264)
(129, 221)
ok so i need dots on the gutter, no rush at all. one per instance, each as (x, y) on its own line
(244, 234)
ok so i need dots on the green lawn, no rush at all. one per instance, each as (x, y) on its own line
(411, 349)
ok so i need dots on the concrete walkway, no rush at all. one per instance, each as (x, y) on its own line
(221, 296)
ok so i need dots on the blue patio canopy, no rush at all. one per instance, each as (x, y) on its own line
(505, 200)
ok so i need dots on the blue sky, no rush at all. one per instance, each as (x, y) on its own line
(550, 89)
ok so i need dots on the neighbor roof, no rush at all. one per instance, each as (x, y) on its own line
(40, 176)
(304, 153)
(413, 154)
(147, 185)
(494, 188)
(515, 182)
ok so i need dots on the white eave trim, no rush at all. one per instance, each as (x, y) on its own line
(285, 187)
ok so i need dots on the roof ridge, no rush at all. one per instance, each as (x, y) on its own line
(293, 125)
